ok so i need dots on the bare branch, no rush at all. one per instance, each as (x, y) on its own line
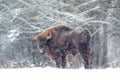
(97, 21)
(24, 2)
(115, 19)
(28, 23)
(53, 19)
(86, 3)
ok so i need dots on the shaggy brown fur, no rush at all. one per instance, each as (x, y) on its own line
(60, 40)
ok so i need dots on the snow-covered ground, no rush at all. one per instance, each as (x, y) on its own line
(59, 74)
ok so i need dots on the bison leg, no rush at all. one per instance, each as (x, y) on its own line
(63, 60)
(85, 55)
(86, 61)
(58, 61)
(89, 55)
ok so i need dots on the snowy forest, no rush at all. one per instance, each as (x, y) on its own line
(21, 20)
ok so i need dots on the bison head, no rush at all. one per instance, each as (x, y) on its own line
(43, 40)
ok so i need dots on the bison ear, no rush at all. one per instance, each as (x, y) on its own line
(49, 36)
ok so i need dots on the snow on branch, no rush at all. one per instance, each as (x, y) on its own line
(114, 19)
(76, 17)
(28, 23)
(92, 9)
(24, 2)
(65, 13)
(12, 34)
(88, 2)
(15, 14)
(97, 21)
(32, 31)
(52, 19)
(5, 6)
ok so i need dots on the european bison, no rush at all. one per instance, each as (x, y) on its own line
(58, 41)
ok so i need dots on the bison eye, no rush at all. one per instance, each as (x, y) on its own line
(48, 42)
(42, 40)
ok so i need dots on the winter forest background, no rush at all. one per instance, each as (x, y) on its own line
(21, 20)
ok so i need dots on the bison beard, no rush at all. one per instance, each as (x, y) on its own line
(58, 41)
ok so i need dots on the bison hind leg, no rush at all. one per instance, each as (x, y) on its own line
(85, 55)
(86, 62)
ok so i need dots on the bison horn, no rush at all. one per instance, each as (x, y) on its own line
(35, 38)
(49, 36)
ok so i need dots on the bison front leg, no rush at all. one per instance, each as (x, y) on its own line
(63, 60)
(58, 61)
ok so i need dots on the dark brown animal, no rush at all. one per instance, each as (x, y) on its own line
(58, 41)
